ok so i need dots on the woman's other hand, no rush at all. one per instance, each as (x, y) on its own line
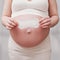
(45, 22)
(9, 23)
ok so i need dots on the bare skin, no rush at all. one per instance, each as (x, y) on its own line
(36, 36)
(29, 37)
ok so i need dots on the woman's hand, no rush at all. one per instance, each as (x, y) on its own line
(8, 22)
(45, 22)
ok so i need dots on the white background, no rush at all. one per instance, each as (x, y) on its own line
(55, 38)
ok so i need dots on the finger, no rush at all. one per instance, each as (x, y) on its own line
(46, 24)
(45, 21)
(47, 17)
(8, 28)
(42, 19)
(14, 21)
(11, 20)
(11, 23)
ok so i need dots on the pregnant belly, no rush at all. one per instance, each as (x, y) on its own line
(28, 36)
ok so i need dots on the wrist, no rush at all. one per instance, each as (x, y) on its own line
(54, 21)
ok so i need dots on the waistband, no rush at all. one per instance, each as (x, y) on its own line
(30, 11)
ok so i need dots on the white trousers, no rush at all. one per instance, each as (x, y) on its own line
(39, 52)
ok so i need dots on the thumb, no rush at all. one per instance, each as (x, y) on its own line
(15, 21)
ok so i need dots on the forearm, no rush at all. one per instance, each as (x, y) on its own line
(54, 20)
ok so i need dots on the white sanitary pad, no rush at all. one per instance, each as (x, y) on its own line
(31, 23)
